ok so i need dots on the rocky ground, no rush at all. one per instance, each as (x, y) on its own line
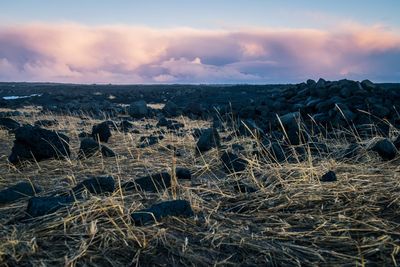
(276, 175)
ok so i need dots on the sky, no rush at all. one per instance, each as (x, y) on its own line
(208, 41)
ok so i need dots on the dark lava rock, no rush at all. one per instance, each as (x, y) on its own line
(84, 135)
(290, 121)
(217, 123)
(157, 182)
(89, 147)
(9, 124)
(170, 109)
(294, 137)
(152, 183)
(163, 122)
(250, 128)
(46, 123)
(183, 174)
(126, 126)
(209, 139)
(177, 208)
(318, 147)
(112, 125)
(385, 148)
(321, 118)
(138, 109)
(277, 152)
(107, 152)
(194, 109)
(328, 177)
(101, 132)
(39, 206)
(232, 163)
(39, 144)
(146, 141)
(198, 132)
(291, 125)
(96, 185)
(311, 83)
(170, 124)
(367, 84)
(17, 191)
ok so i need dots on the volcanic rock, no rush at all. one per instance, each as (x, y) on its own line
(146, 141)
(9, 124)
(96, 185)
(328, 177)
(39, 144)
(138, 109)
(39, 206)
(17, 191)
(89, 147)
(170, 109)
(250, 128)
(125, 126)
(101, 132)
(183, 174)
(177, 208)
(84, 135)
(209, 139)
(152, 183)
(385, 148)
(232, 163)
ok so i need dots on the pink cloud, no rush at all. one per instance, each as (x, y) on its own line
(124, 54)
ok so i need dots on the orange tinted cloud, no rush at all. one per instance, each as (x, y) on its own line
(124, 54)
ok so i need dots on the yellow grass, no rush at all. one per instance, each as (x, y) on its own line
(293, 218)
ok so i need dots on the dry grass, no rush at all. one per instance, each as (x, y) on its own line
(293, 218)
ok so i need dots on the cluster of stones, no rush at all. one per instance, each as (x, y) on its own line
(283, 123)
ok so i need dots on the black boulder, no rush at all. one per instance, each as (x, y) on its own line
(39, 206)
(232, 163)
(89, 147)
(209, 139)
(152, 183)
(18, 191)
(385, 148)
(101, 132)
(328, 177)
(96, 185)
(177, 208)
(39, 144)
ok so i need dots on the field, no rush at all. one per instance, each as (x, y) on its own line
(289, 217)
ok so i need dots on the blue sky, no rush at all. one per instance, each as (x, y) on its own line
(203, 14)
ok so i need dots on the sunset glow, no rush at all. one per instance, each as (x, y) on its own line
(121, 53)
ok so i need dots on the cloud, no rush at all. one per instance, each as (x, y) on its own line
(124, 54)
